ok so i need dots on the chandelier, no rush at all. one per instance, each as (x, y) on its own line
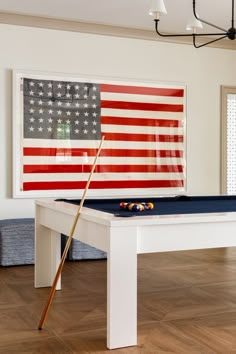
(195, 23)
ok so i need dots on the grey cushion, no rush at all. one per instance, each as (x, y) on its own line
(17, 244)
(79, 250)
(16, 241)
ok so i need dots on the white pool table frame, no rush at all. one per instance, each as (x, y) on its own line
(122, 239)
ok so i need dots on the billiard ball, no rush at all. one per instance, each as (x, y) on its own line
(130, 206)
(150, 205)
(141, 207)
(145, 206)
(123, 205)
(136, 207)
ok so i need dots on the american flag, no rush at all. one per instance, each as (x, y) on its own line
(63, 122)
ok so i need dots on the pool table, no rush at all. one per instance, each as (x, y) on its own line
(175, 223)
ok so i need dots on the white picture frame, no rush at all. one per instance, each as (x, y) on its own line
(176, 163)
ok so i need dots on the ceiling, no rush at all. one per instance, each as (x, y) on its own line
(129, 14)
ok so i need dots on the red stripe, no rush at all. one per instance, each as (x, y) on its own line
(144, 137)
(35, 151)
(44, 151)
(138, 90)
(142, 122)
(102, 168)
(27, 186)
(142, 106)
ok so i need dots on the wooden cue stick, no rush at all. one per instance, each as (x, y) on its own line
(59, 270)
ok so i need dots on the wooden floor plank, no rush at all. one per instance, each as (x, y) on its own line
(186, 305)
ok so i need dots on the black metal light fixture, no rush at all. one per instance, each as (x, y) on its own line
(196, 23)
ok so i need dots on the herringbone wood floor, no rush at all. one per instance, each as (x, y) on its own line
(186, 305)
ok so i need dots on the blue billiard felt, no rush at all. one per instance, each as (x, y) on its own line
(164, 205)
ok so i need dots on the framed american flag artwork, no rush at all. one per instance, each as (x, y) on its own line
(59, 121)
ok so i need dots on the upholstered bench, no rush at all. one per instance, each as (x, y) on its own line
(17, 244)
(79, 250)
(16, 241)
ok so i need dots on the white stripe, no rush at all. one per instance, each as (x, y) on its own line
(133, 82)
(141, 129)
(43, 177)
(55, 160)
(141, 114)
(87, 144)
(125, 97)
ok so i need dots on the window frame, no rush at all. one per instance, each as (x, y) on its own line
(225, 90)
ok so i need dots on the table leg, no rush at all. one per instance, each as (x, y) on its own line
(47, 255)
(122, 288)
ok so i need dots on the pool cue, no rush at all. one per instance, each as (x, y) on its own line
(59, 270)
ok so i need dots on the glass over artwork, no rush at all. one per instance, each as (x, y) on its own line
(59, 122)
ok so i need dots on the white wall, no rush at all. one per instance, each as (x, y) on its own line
(202, 70)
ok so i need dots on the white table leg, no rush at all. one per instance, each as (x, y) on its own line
(122, 289)
(47, 254)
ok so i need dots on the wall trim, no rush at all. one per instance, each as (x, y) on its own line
(100, 29)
